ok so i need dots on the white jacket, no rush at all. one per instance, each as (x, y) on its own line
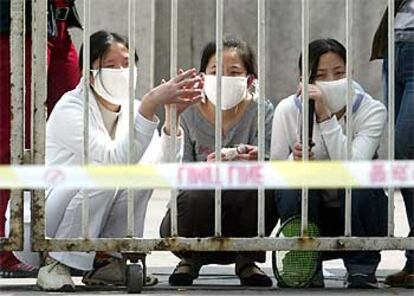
(368, 122)
(64, 134)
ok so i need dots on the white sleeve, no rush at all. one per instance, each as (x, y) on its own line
(367, 134)
(65, 128)
(166, 146)
(280, 143)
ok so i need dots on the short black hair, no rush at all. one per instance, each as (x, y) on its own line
(316, 49)
(243, 49)
(100, 42)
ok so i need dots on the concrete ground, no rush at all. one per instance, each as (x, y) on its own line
(220, 280)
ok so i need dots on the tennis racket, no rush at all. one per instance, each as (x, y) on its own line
(295, 269)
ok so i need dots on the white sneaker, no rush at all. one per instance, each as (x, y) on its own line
(55, 276)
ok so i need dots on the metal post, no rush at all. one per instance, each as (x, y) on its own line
(305, 110)
(17, 85)
(86, 77)
(391, 107)
(261, 46)
(173, 109)
(349, 69)
(152, 45)
(39, 95)
(131, 130)
(218, 119)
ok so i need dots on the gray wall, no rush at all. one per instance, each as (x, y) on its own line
(197, 27)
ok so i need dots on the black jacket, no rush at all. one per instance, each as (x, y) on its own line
(73, 19)
(380, 43)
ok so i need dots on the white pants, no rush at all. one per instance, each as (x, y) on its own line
(108, 219)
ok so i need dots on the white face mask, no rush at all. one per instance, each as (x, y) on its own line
(234, 89)
(113, 84)
(335, 93)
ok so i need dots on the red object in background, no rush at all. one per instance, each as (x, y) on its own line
(63, 75)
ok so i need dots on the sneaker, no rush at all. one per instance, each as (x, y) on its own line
(55, 276)
(362, 281)
(108, 271)
(11, 267)
(402, 279)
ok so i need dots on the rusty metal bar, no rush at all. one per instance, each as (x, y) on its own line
(349, 102)
(131, 130)
(391, 107)
(305, 110)
(39, 95)
(173, 109)
(226, 244)
(17, 91)
(261, 49)
(86, 78)
(218, 119)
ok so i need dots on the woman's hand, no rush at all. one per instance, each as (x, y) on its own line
(297, 152)
(315, 93)
(250, 153)
(186, 89)
(182, 106)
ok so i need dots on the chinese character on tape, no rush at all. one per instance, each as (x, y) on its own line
(378, 173)
(399, 172)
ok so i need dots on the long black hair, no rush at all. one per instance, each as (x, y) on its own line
(243, 49)
(316, 49)
(100, 42)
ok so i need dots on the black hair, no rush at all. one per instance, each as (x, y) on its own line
(316, 49)
(243, 49)
(100, 42)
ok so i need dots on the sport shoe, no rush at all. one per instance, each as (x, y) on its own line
(362, 281)
(55, 276)
(108, 271)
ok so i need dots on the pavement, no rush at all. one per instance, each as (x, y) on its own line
(220, 280)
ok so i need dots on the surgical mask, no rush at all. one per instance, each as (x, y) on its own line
(113, 84)
(335, 93)
(234, 90)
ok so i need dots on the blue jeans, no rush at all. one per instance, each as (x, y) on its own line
(331, 221)
(404, 122)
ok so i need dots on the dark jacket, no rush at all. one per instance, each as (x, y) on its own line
(380, 44)
(73, 19)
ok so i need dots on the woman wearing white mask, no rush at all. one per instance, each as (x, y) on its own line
(239, 208)
(328, 92)
(108, 145)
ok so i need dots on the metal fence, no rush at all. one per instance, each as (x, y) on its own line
(217, 243)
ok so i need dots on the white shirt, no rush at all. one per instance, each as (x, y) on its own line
(368, 123)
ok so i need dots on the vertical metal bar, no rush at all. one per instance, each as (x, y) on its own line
(391, 107)
(17, 85)
(39, 95)
(261, 46)
(173, 109)
(152, 45)
(131, 130)
(305, 112)
(349, 69)
(86, 77)
(218, 119)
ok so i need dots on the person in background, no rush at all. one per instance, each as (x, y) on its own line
(239, 209)
(328, 91)
(62, 76)
(404, 109)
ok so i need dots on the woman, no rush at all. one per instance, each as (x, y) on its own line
(328, 91)
(239, 208)
(108, 144)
